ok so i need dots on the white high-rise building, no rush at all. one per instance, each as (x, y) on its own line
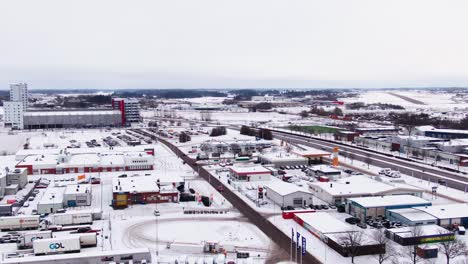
(19, 93)
(15, 108)
(14, 114)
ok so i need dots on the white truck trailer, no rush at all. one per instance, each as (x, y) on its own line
(72, 218)
(19, 222)
(26, 240)
(49, 246)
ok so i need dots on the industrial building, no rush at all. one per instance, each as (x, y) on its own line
(249, 173)
(51, 201)
(426, 234)
(358, 186)
(363, 207)
(332, 232)
(324, 171)
(279, 159)
(35, 119)
(17, 177)
(288, 194)
(77, 195)
(86, 160)
(129, 110)
(411, 217)
(430, 131)
(141, 190)
(448, 215)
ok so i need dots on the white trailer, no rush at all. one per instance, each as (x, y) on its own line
(88, 239)
(19, 222)
(26, 240)
(56, 245)
(72, 218)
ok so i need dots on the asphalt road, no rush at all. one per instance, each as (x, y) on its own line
(411, 168)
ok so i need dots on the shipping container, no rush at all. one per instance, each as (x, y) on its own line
(19, 222)
(26, 240)
(72, 218)
(56, 245)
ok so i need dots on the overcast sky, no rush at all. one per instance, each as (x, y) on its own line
(217, 44)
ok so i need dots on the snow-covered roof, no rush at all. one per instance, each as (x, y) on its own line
(71, 113)
(421, 230)
(77, 189)
(249, 169)
(325, 223)
(325, 169)
(389, 200)
(432, 129)
(413, 214)
(359, 186)
(140, 184)
(284, 188)
(112, 160)
(52, 196)
(446, 211)
(312, 153)
(83, 160)
(281, 156)
(40, 160)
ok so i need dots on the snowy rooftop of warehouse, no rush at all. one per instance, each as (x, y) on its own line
(102, 150)
(52, 196)
(284, 188)
(311, 152)
(40, 159)
(139, 184)
(325, 223)
(359, 185)
(431, 128)
(325, 169)
(375, 128)
(455, 142)
(421, 230)
(257, 169)
(77, 189)
(114, 160)
(413, 214)
(416, 138)
(281, 156)
(71, 113)
(388, 200)
(446, 211)
(83, 159)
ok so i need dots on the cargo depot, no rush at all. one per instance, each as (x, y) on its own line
(143, 190)
(62, 161)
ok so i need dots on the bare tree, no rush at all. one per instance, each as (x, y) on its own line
(409, 252)
(381, 239)
(452, 249)
(352, 241)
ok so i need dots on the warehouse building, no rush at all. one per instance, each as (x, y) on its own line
(363, 207)
(288, 194)
(77, 195)
(448, 215)
(51, 201)
(95, 160)
(358, 186)
(430, 131)
(71, 119)
(17, 177)
(327, 171)
(249, 173)
(279, 159)
(411, 217)
(417, 235)
(333, 231)
(141, 190)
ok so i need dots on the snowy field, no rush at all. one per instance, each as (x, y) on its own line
(437, 101)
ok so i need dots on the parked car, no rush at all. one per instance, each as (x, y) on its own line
(362, 225)
(461, 230)
(156, 213)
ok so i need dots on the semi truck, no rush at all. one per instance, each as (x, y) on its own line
(26, 240)
(49, 246)
(72, 218)
(19, 222)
